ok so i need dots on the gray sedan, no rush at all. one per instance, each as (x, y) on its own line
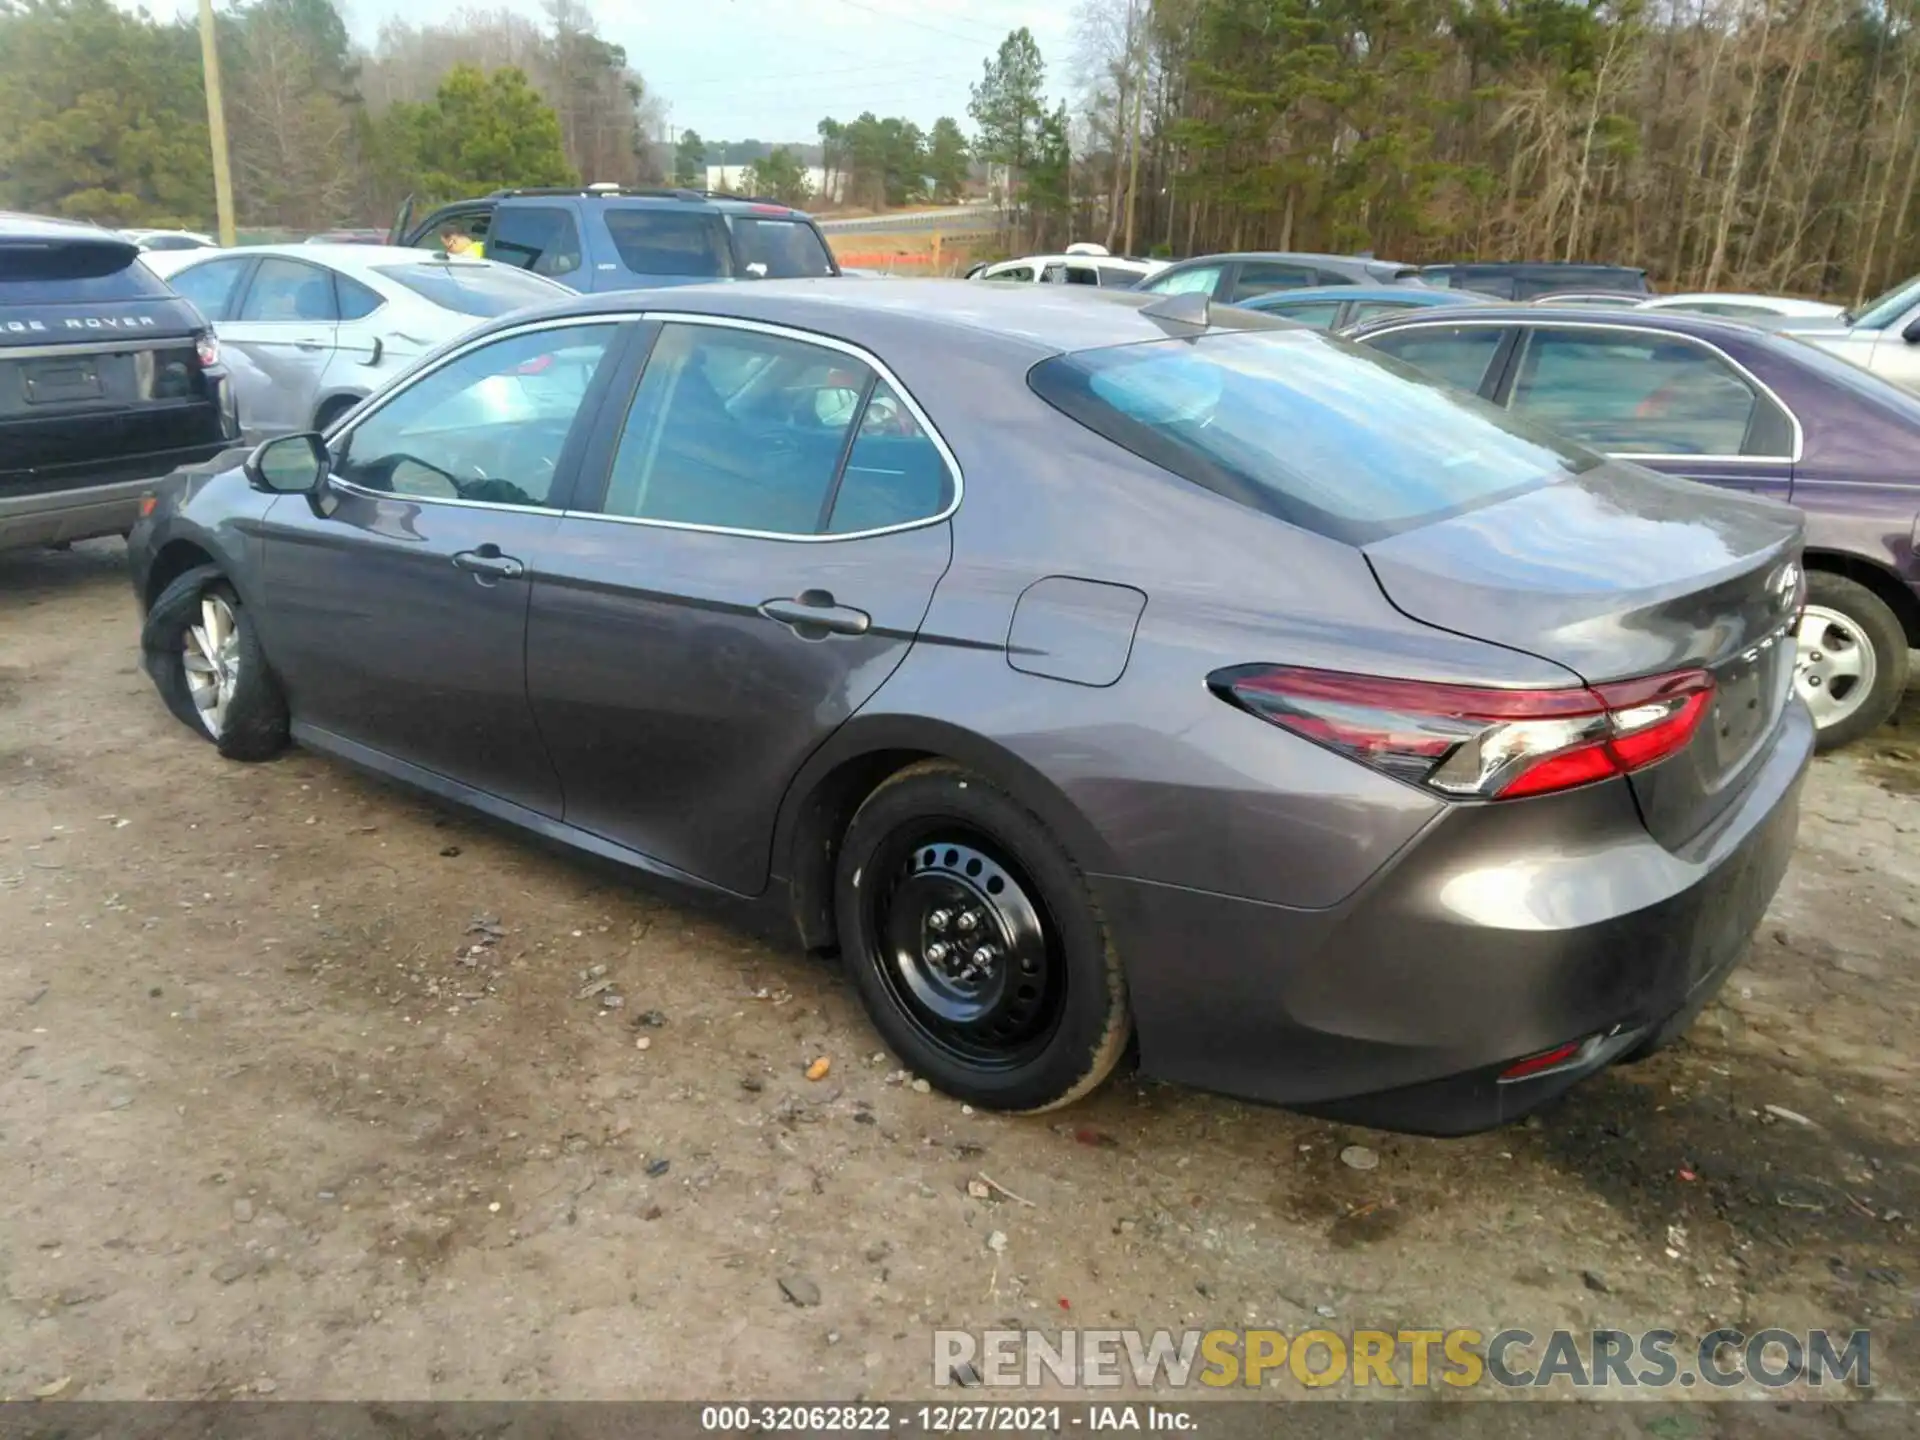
(1096, 673)
(310, 330)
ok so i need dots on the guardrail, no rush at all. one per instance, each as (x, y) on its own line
(953, 220)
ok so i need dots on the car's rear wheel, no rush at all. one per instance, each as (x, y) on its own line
(1852, 663)
(975, 944)
(205, 657)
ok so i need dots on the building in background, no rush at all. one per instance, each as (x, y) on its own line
(734, 178)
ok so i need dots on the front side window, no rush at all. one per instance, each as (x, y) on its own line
(288, 291)
(742, 430)
(652, 240)
(210, 286)
(1013, 272)
(488, 426)
(540, 238)
(1456, 355)
(1371, 448)
(1201, 278)
(1646, 394)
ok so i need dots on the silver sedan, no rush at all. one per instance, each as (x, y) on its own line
(308, 331)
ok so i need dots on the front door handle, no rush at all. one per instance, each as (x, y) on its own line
(813, 615)
(488, 564)
(314, 345)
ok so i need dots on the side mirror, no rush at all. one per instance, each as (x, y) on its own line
(1912, 332)
(289, 465)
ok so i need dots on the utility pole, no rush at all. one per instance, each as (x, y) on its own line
(216, 122)
(1133, 127)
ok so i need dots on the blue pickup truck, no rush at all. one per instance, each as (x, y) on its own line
(605, 237)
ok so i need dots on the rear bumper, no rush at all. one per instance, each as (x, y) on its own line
(1499, 933)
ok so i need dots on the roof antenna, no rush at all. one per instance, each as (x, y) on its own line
(1189, 307)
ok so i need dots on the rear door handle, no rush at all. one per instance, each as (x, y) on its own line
(813, 615)
(487, 563)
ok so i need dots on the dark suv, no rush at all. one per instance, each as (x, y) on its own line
(1529, 280)
(608, 238)
(108, 379)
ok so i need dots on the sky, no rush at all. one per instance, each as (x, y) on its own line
(770, 69)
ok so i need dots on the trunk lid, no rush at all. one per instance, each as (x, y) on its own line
(98, 360)
(1617, 573)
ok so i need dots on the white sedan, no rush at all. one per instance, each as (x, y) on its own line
(1083, 264)
(307, 331)
(1744, 307)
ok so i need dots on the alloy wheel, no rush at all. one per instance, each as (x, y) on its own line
(210, 654)
(964, 947)
(1835, 668)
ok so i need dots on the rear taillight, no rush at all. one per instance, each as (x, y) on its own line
(207, 348)
(1476, 743)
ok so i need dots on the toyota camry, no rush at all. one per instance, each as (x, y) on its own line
(1097, 675)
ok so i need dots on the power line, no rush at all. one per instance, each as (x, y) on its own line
(921, 24)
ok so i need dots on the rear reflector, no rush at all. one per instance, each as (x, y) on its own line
(1471, 742)
(1545, 1060)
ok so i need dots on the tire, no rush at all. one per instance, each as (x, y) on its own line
(331, 411)
(253, 725)
(931, 847)
(1877, 630)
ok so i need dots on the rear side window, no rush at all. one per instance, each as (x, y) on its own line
(1371, 448)
(1644, 394)
(1113, 277)
(656, 241)
(1200, 278)
(1317, 313)
(35, 272)
(1262, 277)
(483, 290)
(1374, 309)
(784, 249)
(356, 300)
(540, 238)
(211, 286)
(740, 430)
(287, 290)
(1456, 355)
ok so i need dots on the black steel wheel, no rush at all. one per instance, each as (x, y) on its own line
(975, 945)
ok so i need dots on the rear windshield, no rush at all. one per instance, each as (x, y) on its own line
(1294, 423)
(474, 289)
(33, 273)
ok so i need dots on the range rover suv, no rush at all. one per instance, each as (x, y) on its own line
(107, 380)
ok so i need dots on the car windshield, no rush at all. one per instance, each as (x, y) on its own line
(1883, 310)
(1320, 433)
(482, 290)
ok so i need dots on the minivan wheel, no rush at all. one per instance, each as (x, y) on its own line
(975, 944)
(205, 658)
(1852, 663)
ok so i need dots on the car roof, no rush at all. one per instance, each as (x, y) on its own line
(662, 197)
(1229, 255)
(1124, 261)
(16, 225)
(1735, 297)
(1039, 320)
(1518, 267)
(343, 256)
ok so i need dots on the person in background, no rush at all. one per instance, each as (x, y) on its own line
(458, 242)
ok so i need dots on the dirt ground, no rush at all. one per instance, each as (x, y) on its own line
(281, 1113)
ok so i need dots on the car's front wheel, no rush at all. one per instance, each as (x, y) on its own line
(205, 658)
(1852, 663)
(975, 944)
